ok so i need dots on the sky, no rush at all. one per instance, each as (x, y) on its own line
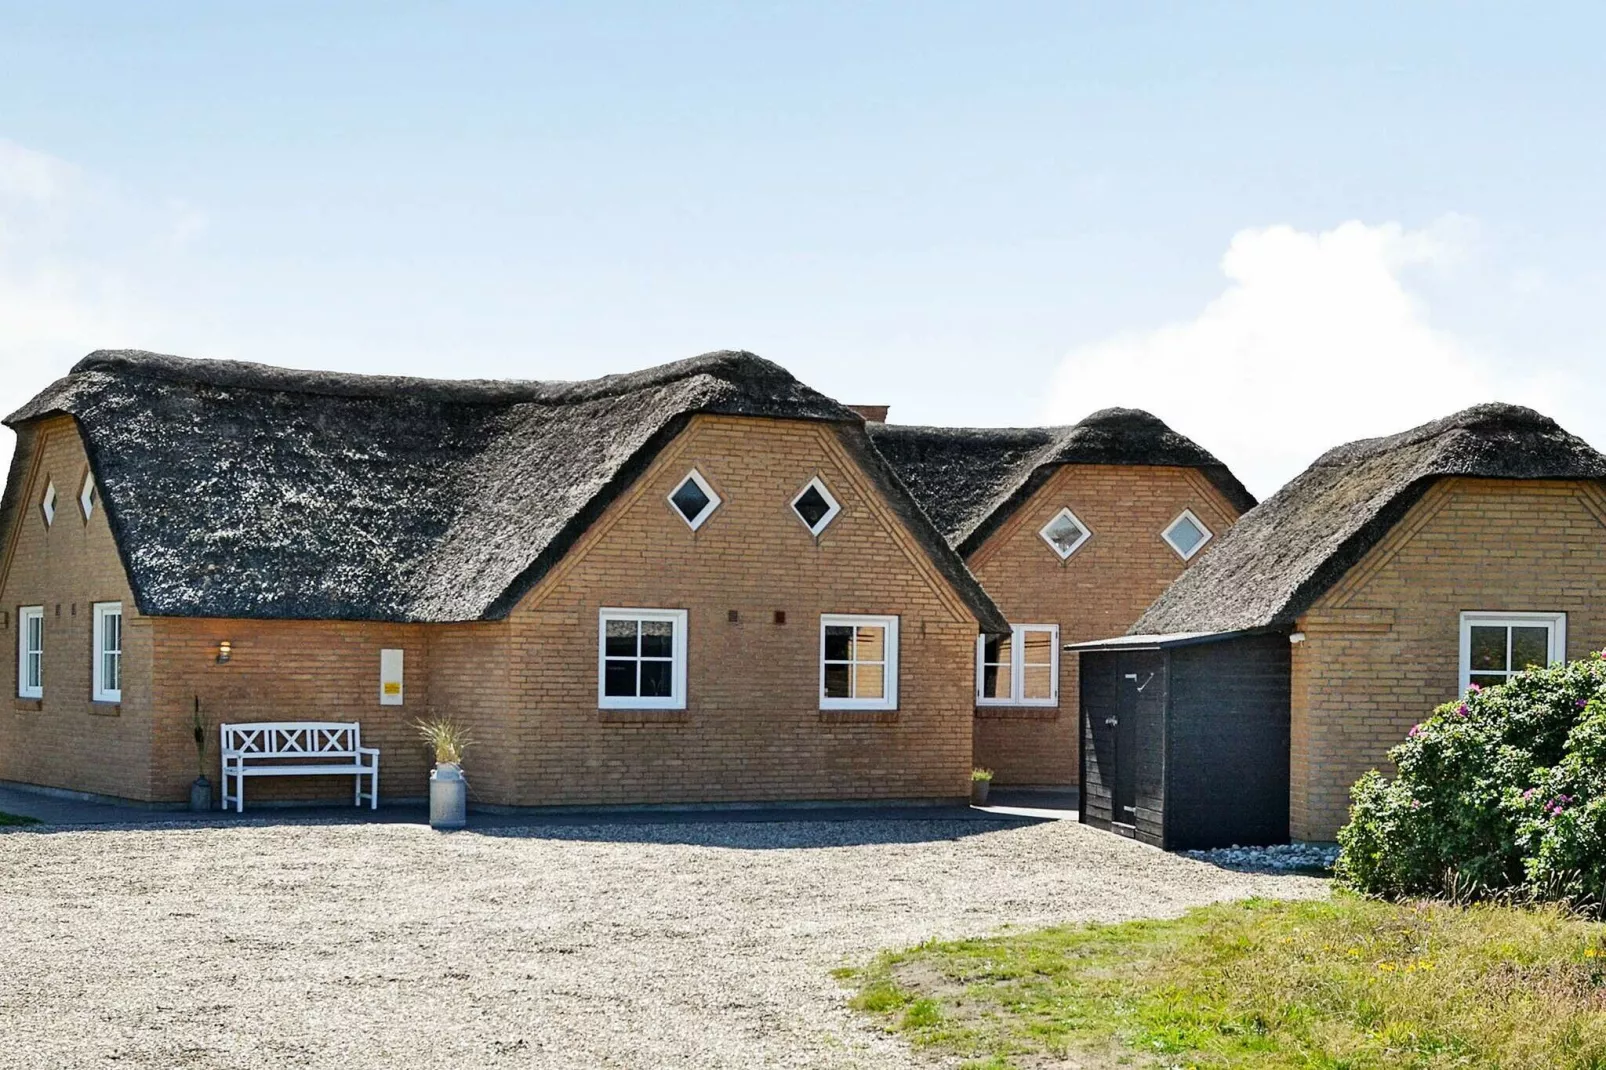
(1278, 227)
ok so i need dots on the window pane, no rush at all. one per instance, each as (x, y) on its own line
(996, 650)
(837, 682)
(114, 674)
(1530, 646)
(870, 643)
(812, 507)
(1039, 682)
(619, 680)
(1063, 532)
(621, 639)
(656, 679)
(1185, 535)
(1488, 681)
(869, 681)
(1038, 647)
(657, 639)
(838, 641)
(690, 499)
(1488, 647)
(994, 684)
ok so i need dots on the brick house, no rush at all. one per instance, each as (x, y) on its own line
(699, 582)
(1073, 531)
(1379, 583)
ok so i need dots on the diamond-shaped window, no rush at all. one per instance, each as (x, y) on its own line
(48, 504)
(1065, 533)
(694, 499)
(1186, 535)
(86, 497)
(815, 506)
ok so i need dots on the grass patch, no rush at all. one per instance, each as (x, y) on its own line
(16, 819)
(1345, 984)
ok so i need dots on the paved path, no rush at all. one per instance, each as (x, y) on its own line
(62, 809)
(684, 944)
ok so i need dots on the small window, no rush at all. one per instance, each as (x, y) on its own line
(1497, 646)
(858, 663)
(48, 504)
(1065, 534)
(694, 499)
(86, 496)
(31, 652)
(641, 659)
(108, 667)
(815, 506)
(1186, 535)
(1019, 669)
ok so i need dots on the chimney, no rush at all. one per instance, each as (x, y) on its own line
(875, 414)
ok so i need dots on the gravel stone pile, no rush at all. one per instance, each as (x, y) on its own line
(649, 946)
(1284, 858)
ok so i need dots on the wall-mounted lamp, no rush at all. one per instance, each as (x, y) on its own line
(225, 650)
(1297, 637)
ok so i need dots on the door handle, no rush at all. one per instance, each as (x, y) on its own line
(1111, 722)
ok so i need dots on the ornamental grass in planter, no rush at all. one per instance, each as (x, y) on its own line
(448, 788)
(201, 789)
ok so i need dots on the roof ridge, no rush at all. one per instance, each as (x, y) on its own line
(734, 366)
(1484, 417)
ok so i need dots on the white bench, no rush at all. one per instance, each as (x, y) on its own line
(297, 748)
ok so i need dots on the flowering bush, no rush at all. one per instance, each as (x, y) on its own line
(1501, 791)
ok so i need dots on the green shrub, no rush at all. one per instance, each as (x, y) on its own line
(1500, 792)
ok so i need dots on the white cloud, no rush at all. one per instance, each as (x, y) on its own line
(27, 174)
(1316, 340)
(74, 256)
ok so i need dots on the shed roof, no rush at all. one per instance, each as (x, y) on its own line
(243, 490)
(1282, 555)
(971, 479)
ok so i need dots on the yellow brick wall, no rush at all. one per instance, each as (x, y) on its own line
(1382, 647)
(527, 686)
(65, 740)
(1098, 592)
(286, 671)
(752, 728)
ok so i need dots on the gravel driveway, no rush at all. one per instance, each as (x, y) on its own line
(675, 945)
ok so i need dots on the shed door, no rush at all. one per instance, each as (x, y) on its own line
(1136, 694)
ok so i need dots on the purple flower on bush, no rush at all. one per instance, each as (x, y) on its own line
(1461, 710)
(1416, 730)
(1474, 688)
(1529, 794)
(1416, 804)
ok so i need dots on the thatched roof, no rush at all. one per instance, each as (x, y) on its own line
(970, 480)
(1281, 556)
(241, 490)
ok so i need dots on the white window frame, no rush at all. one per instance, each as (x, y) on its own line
(676, 699)
(889, 663)
(100, 692)
(830, 500)
(47, 503)
(714, 500)
(86, 496)
(1087, 533)
(1557, 622)
(1017, 667)
(26, 614)
(1189, 515)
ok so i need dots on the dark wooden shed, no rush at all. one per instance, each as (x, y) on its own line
(1185, 738)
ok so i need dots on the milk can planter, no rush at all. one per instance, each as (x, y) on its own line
(448, 788)
(981, 781)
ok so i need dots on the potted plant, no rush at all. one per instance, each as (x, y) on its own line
(981, 780)
(448, 789)
(201, 790)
